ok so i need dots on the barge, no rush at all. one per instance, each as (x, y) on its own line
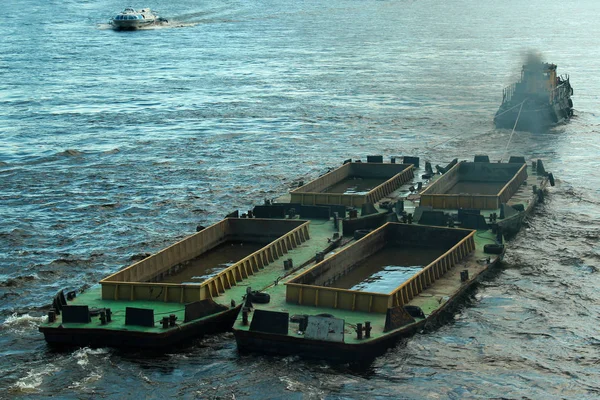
(198, 285)
(189, 289)
(539, 100)
(285, 273)
(355, 304)
(415, 249)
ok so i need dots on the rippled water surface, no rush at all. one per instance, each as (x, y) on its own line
(114, 144)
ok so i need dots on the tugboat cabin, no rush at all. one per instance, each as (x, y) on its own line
(538, 80)
(540, 99)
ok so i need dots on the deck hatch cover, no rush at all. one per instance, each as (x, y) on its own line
(270, 322)
(139, 316)
(269, 211)
(325, 328)
(76, 314)
(316, 212)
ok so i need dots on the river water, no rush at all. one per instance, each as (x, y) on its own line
(114, 144)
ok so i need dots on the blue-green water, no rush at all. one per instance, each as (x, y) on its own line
(119, 143)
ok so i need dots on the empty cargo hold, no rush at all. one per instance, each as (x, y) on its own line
(476, 185)
(385, 270)
(245, 245)
(428, 252)
(354, 184)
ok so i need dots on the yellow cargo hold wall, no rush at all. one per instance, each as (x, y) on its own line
(307, 288)
(131, 283)
(313, 193)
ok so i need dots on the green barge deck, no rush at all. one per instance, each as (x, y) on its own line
(309, 316)
(142, 307)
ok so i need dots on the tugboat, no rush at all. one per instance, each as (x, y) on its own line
(540, 100)
(131, 19)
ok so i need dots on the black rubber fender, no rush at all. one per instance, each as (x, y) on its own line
(260, 297)
(493, 248)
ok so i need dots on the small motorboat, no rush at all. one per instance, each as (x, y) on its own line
(131, 19)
